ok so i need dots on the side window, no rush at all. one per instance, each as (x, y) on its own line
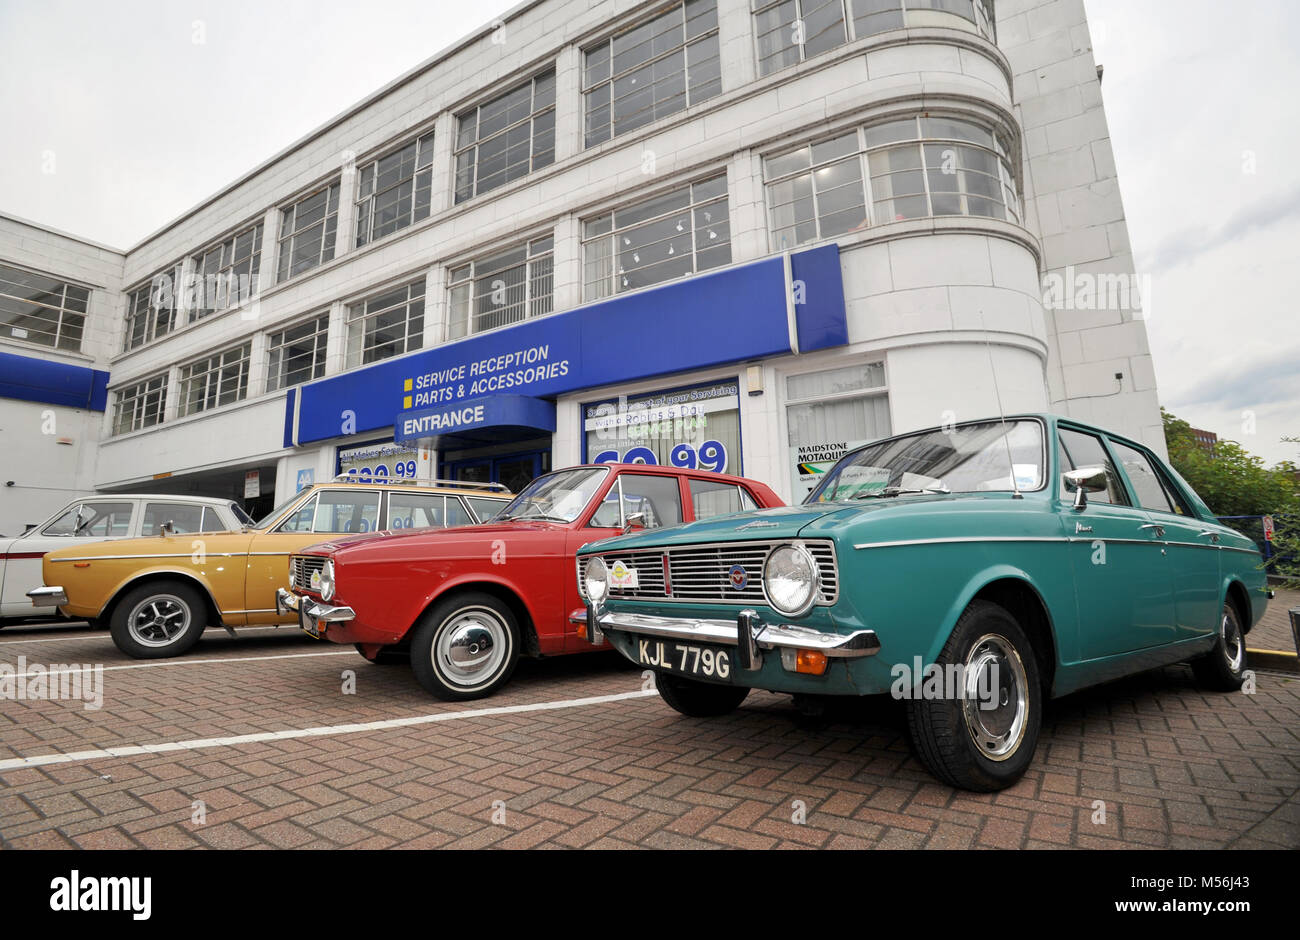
(93, 519)
(1078, 450)
(658, 498)
(300, 520)
(457, 514)
(1145, 478)
(414, 510)
(347, 511)
(485, 509)
(184, 517)
(710, 498)
(747, 502)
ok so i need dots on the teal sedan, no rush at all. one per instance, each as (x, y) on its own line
(972, 571)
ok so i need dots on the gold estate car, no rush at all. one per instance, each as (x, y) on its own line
(158, 594)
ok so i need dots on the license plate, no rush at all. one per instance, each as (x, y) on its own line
(306, 625)
(687, 659)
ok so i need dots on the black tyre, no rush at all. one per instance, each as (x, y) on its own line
(963, 743)
(699, 699)
(386, 656)
(158, 620)
(1222, 667)
(465, 647)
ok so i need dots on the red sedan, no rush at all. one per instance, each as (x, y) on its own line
(463, 604)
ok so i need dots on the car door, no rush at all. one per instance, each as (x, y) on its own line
(342, 510)
(83, 522)
(1193, 555)
(1121, 575)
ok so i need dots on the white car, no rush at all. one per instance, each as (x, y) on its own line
(98, 519)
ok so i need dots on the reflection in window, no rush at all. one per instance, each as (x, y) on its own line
(680, 232)
(502, 289)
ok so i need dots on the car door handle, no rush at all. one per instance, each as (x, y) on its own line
(1160, 530)
(1214, 536)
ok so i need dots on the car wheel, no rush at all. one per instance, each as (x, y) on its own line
(466, 647)
(159, 619)
(386, 655)
(699, 699)
(1221, 668)
(958, 739)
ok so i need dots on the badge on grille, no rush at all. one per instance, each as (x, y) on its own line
(739, 577)
(621, 576)
(315, 580)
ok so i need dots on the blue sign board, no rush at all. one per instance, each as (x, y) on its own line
(305, 479)
(738, 313)
(52, 383)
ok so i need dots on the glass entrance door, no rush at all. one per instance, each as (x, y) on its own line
(514, 471)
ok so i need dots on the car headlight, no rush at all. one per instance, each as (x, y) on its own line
(327, 585)
(596, 580)
(791, 580)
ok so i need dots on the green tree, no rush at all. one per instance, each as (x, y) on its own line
(1231, 480)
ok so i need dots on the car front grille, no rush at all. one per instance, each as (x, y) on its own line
(703, 573)
(301, 568)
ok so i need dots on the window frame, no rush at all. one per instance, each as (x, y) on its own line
(140, 392)
(63, 314)
(226, 294)
(611, 234)
(320, 346)
(364, 204)
(537, 159)
(532, 302)
(287, 241)
(589, 88)
(151, 315)
(411, 340)
(213, 377)
(1002, 152)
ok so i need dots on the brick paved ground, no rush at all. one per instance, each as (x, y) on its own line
(1273, 632)
(1174, 766)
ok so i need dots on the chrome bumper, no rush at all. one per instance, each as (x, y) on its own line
(48, 596)
(310, 610)
(747, 633)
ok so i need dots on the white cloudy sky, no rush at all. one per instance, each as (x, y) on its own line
(139, 122)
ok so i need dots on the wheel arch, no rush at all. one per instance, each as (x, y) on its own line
(214, 612)
(502, 592)
(1014, 591)
(1235, 593)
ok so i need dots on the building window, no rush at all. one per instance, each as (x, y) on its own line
(221, 379)
(791, 31)
(39, 309)
(503, 289)
(672, 235)
(297, 354)
(225, 275)
(903, 169)
(140, 405)
(387, 325)
(308, 229)
(830, 413)
(652, 70)
(506, 138)
(395, 190)
(151, 307)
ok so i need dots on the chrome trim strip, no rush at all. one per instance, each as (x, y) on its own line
(769, 636)
(1047, 538)
(125, 557)
(259, 610)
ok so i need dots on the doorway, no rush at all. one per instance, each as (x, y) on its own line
(514, 471)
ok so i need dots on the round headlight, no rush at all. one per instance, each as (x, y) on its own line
(791, 580)
(327, 580)
(596, 580)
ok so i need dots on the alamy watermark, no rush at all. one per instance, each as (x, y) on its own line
(55, 682)
(948, 681)
(1083, 290)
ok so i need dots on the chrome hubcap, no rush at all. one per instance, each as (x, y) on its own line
(159, 620)
(995, 675)
(1234, 646)
(471, 647)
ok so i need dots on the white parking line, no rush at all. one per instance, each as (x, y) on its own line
(198, 744)
(184, 662)
(289, 628)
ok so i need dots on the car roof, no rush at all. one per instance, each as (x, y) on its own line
(660, 468)
(432, 487)
(169, 497)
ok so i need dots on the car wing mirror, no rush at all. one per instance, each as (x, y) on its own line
(634, 520)
(167, 528)
(1083, 481)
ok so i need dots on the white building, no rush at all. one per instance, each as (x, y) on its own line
(736, 232)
